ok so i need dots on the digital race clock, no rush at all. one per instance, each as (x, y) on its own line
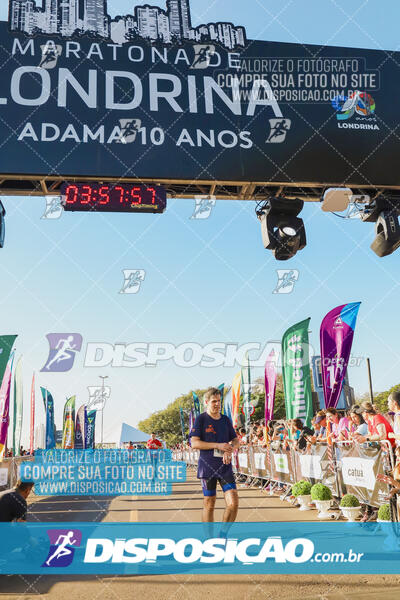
(114, 197)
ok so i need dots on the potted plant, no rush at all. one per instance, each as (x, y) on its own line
(350, 507)
(321, 495)
(301, 490)
(384, 514)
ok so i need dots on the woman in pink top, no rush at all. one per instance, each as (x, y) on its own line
(339, 426)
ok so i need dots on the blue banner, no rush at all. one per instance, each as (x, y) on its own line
(103, 472)
(161, 548)
(196, 403)
(90, 427)
(49, 410)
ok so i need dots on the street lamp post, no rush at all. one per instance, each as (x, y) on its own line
(102, 377)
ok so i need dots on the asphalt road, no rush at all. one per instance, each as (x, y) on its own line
(185, 505)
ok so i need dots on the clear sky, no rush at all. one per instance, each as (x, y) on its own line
(206, 280)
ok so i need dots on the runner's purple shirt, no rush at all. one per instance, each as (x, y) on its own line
(212, 430)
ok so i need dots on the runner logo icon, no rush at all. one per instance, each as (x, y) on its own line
(62, 547)
(202, 56)
(133, 279)
(63, 347)
(279, 129)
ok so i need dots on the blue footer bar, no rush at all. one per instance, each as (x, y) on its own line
(160, 548)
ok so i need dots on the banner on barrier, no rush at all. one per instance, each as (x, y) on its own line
(3, 476)
(359, 466)
(358, 472)
(310, 466)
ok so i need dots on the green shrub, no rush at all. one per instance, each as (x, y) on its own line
(301, 488)
(319, 491)
(384, 513)
(349, 501)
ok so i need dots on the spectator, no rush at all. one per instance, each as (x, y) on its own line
(378, 427)
(394, 406)
(131, 446)
(13, 506)
(280, 432)
(339, 427)
(299, 433)
(359, 426)
(319, 423)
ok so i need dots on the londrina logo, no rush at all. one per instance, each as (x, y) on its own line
(62, 547)
(360, 103)
(63, 347)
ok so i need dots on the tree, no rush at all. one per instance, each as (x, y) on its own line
(167, 423)
(380, 399)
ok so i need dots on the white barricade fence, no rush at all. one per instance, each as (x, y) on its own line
(345, 467)
(9, 471)
(358, 468)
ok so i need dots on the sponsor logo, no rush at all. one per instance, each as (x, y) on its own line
(133, 279)
(63, 347)
(202, 56)
(54, 208)
(62, 547)
(191, 550)
(286, 281)
(210, 429)
(203, 207)
(50, 54)
(98, 396)
(338, 324)
(360, 105)
(129, 129)
(278, 130)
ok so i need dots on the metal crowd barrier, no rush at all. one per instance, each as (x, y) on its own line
(9, 471)
(344, 467)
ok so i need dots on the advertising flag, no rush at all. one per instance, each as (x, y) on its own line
(90, 426)
(196, 403)
(49, 410)
(222, 389)
(18, 408)
(236, 384)
(6, 344)
(182, 416)
(32, 426)
(228, 404)
(80, 428)
(336, 335)
(69, 424)
(191, 420)
(5, 405)
(296, 373)
(246, 392)
(270, 385)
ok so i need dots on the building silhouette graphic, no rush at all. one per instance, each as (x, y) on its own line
(69, 18)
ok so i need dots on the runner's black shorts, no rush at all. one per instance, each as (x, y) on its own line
(210, 485)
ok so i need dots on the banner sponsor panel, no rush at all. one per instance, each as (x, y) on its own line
(296, 372)
(358, 468)
(336, 336)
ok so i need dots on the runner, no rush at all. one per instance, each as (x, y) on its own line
(213, 434)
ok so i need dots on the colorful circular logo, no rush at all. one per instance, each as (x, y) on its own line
(360, 103)
(365, 104)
